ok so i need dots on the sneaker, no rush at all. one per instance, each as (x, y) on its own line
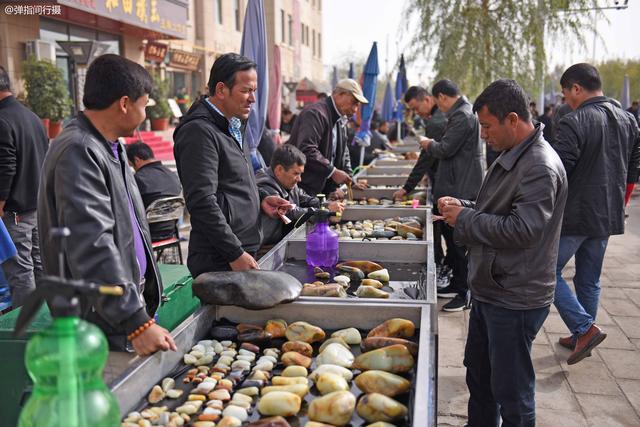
(458, 303)
(447, 292)
(443, 277)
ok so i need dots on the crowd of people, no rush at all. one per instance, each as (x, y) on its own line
(508, 233)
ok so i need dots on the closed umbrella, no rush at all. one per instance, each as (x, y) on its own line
(7, 248)
(625, 99)
(274, 110)
(254, 47)
(369, 84)
(386, 113)
(352, 73)
(401, 88)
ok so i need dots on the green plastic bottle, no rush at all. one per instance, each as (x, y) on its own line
(67, 359)
(65, 363)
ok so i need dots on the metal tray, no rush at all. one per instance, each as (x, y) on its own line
(388, 170)
(383, 193)
(359, 213)
(396, 163)
(133, 385)
(398, 180)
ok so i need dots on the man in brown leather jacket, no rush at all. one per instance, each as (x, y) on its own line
(512, 232)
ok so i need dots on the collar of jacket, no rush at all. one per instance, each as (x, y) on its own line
(333, 110)
(219, 120)
(85, 123)
(593, 100)
(283, 190)
(9, 100)
(456, 105)
(509, 158)
(151, 165)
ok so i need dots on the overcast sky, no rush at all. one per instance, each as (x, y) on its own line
(351, 26)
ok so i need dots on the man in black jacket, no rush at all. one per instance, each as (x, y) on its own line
(281, 179)
(155, 181)
(88, 187)
(420, 101)
(320, 133)
(599, 145)
(216, 174)
(459, 175)
(512, 233)
(23, 144)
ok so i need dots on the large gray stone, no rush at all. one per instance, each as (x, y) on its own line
(252, 289)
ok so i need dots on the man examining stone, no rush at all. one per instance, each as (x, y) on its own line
(512, 232)
(281, 179)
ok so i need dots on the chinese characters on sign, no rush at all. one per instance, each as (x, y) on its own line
(155, 52)
(40, 9)
(182, 59)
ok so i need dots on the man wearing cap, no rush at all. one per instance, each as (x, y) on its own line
(320, 133)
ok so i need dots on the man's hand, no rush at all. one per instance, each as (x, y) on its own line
(154, 338)
(337, 195)
(244, 262)
(398, 195)
(425, 142)
(335, 206)
(361, 185)
(340, 177)
(2, 202)
(274, 206)
(450, 208)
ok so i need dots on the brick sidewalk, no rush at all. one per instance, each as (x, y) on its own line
(603, 390)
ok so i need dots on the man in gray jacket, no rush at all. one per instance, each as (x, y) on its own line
(512, 232)
(459, 174)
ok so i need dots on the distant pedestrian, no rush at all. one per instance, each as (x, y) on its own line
(23, 145)
(599, 145)
(635, 110)
(547, 120)
(512, 233)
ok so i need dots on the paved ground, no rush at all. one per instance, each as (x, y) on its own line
(603, 390)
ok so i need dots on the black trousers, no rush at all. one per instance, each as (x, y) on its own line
(500, 374)
(456, 258)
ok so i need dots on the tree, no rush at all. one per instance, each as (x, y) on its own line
(474, 42)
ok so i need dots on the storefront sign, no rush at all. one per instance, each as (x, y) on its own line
(163, 16)
(155, 52)
(182, 59)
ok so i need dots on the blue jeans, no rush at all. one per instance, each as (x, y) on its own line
(578, 311)
(500, 374)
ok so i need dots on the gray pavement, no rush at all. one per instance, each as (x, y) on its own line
(602, 390)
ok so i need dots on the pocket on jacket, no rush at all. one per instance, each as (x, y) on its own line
(481, 260)
(507, 264)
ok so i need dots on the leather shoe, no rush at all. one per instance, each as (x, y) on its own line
(585, 343)
(567, 342)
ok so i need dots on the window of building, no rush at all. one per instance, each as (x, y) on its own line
(306, 35)
(313, 41)
(236, 12)
(290, 29)
(282, 26)
(302, 33)
(319, 46)
(218, 11)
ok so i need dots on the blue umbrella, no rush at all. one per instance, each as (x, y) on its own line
(387, 104)
(369, 84)
(401, 87)
(254, 47)
(625, 99)
(334, 77)
(352, 73)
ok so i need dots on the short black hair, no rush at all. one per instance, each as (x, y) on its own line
(5, 82)
(445, 87)
(110, 77)
(287, 155)
(140, 150)
(415, 92)
(502, 97)
(224, 70)
(583, 74)
(374, 125)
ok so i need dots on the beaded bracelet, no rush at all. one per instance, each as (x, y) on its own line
(133, 335)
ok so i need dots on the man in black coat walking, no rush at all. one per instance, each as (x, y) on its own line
(599, 145)
(23, 145)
